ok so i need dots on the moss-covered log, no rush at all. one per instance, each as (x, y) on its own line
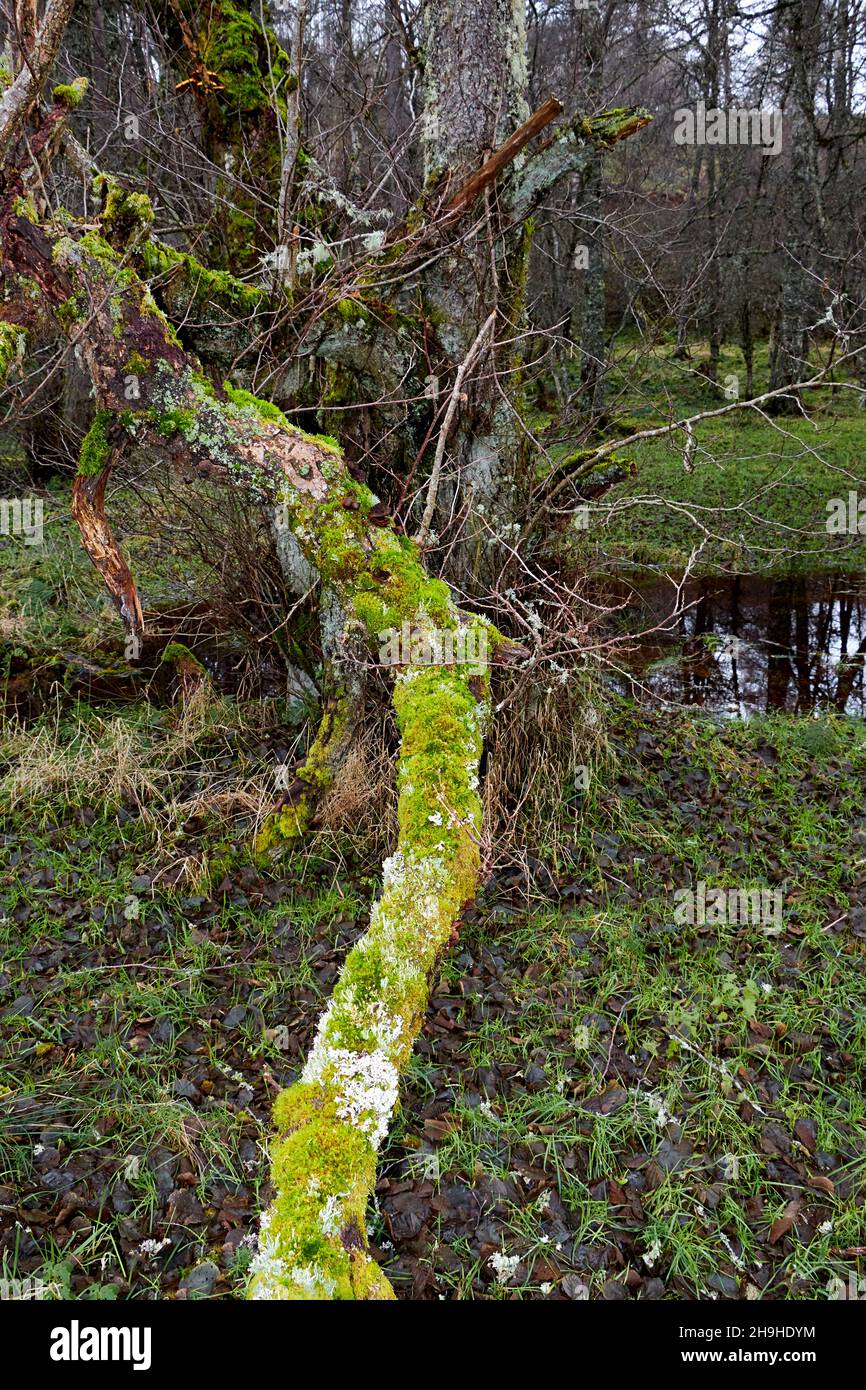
(89, 279)
(331, 1124)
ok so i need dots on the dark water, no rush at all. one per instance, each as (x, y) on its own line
(749, 646)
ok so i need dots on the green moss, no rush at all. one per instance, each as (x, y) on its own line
(198, 282)
(351, 311)
(136, 365)
(323, 1169)
(26, 207)
(123, 289)
(95, 447)
(253, 71)
(271, 413)
(101, 251)
(179, 420)
(176, 651)
(406, 592)
(438, 720)
(324, 441)
(71, 94)
(284, 826)
(12, 340)
(265, 410)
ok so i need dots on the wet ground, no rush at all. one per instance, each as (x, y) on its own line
(745, 646)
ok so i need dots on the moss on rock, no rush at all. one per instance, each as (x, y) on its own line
(197, 283)
(177, 652)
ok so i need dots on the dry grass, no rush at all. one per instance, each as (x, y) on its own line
(107, 760)
(541, 734)
(363, 800)
(121, 760)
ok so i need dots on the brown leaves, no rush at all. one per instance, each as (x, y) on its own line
(784, 1223)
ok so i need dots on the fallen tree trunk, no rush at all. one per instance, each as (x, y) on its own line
(330, 1124)
(88, 280)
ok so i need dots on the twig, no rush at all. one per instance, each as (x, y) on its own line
(456, 391)
(492, 167)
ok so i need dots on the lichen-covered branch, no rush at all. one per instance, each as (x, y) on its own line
(572, 149)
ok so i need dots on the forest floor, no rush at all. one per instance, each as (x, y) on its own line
(605, 1102)
(756, 501)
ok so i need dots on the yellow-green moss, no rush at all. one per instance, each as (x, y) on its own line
(253, 71)
(126, 215)
(12, 339)
(71, 94)
(95, 448)
(200, 283)
(175, 652)
(285, 825)
(180, 420)
(266, 410)
(336, 1116)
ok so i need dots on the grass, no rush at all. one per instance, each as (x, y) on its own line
(757, 499)
(649, 1041)
(714, 1041)
(127, 1073)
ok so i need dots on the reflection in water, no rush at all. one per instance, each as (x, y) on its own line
(748, 645)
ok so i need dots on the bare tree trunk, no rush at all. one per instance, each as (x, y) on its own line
(592, 36)
(475, 95)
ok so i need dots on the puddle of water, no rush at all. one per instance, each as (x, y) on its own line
(749, 646)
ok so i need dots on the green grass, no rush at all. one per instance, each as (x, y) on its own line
(705, 1036)
(131, 978)
(133, 915)
(757, 499)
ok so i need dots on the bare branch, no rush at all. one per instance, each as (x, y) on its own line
(18, 99)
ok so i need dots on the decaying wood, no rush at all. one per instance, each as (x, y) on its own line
(501, 158)
(88, 508)
(330, 1124)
